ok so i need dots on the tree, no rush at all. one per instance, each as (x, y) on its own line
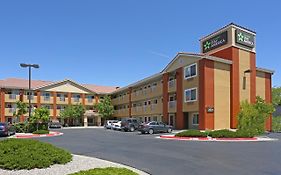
(21, 109)
(252, 117)
(105, 108)
(41, 115)
(72, 112)
(276, 96)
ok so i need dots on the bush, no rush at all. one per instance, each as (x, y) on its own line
(225, 133)
(252, 117)
(19, 154)
(191, 133)
(107, 171)
(41, 132)
(30, 127)
(276, 124)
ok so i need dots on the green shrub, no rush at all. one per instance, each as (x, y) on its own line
(106, 171)
(191, 133)
(225, 133)
(21, 127)
(29, 127)
(276, 124)
(252, 117)
(41, 132)
(28, 154)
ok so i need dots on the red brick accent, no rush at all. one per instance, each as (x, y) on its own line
(97, 98)
(21, 99)
(232, 53)
(268, 99)
(38, 99)
(83, 99)
(130, 102)
(253, 77)
(2, 94)
(69, 96)
(206, 93)
(54, 105)
(180, 123)
(165, 79)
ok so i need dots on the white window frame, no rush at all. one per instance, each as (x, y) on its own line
(193, 115)
(190, 90)
(189, 66)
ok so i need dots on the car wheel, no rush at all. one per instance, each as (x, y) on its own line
(169, 130)
(132, 129)
(150, 131)
(142, 132)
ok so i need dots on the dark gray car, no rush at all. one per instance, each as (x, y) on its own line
(130, 124)
(6, 129)
(155, 127)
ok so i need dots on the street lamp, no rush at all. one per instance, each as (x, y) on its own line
(29, 83)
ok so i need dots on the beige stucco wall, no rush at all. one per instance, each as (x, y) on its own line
(244, 64)
(260, 84)
(221, 96)
(182, 61)
(67, 87)
(191, 83)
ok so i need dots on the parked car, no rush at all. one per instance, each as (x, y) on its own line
(56, 125)
(109, 124)
(130, 124)
(6, 129)
(117, 125)
(155, 127)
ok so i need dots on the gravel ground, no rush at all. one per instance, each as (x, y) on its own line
(77, 164)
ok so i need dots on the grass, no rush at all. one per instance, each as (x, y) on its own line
(16, 154)
(41, 132)
(106, 171)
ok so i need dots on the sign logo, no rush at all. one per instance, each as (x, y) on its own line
(215, 42)
(245, 38)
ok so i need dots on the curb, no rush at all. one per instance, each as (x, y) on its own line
(254, 139)
(30, 135)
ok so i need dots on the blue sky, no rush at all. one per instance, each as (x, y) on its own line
(111, 42)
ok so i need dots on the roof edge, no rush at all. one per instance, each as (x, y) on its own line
(265, 70)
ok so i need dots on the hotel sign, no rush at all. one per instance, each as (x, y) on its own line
(214, 42)
(244, 38)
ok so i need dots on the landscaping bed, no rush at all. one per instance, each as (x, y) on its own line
(106, 171)
(224, 133)
(28, 154)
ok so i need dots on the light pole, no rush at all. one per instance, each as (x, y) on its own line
(29, 83)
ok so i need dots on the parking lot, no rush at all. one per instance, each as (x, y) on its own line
(168, 157)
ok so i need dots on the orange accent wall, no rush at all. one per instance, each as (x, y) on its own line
(268, 99)
(130, 102)
(54, 105)
(206, 94)
(38, 99)
(253, 77)
(180, 123)
(69, 95)
(97, 98)
(83, 99)
(165, 79)
(2, 93)
(232, 53)
(21, 99)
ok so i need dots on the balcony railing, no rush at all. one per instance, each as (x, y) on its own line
(172, 104)
(172, 83)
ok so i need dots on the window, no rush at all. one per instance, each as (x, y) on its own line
(190, 95)
(46, 96)
(190, 71)
(195, 119)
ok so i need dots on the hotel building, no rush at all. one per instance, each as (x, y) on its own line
(194, 91)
